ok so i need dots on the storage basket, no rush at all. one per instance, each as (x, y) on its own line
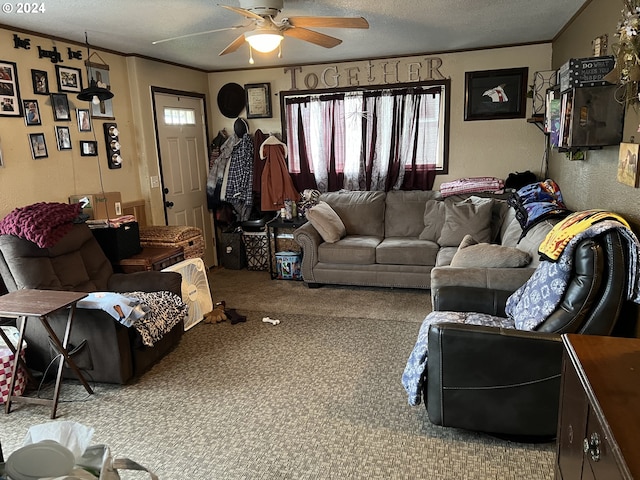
(189, 238)
(7, 359)
(257, 250)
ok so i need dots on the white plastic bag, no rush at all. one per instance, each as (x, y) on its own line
(98, 460)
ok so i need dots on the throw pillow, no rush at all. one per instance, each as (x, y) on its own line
(433, 220)
(471, 254)
(465, 219)
(327, 222)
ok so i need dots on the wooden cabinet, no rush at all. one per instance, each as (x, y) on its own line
(150, 258)
(599, 421)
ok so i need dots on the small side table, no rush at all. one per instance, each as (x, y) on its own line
(272, 232)
(22, 304)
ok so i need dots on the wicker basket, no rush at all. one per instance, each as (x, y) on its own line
(189, 238)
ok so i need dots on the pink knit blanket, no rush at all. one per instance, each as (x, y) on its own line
(41, 223)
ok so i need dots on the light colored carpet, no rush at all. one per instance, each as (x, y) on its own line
(254, 290)
(316, 397)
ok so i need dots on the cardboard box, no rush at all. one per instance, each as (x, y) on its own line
(585, 72)
(99, 205)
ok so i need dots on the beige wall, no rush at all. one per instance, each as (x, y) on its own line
(144, 74)
(477, 148)
(24, 181)
(592, 183)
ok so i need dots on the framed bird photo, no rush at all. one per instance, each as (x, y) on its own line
(496, 94)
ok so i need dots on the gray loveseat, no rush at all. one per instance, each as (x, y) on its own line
(408, 239)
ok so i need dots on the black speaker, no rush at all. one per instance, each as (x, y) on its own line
(111, 138)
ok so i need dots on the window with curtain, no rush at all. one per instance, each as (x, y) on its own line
(376, 138)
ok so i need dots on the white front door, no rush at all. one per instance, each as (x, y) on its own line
(184, 164)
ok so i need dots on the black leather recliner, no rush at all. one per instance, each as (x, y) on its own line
(106, 350)
(505, 381)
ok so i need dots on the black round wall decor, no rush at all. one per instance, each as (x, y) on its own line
(231, 100)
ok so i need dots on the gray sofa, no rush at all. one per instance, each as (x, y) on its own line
(408, 239)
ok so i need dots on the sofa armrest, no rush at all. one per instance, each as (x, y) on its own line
(151, 281)
(309, 239)
(471, 299)
(493, 379)
(507, 279)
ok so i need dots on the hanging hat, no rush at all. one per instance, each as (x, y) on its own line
(231, 100)
(240, 127)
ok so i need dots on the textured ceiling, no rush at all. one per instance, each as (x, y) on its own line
(396, 27)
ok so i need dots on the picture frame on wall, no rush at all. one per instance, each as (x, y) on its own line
(84, 119)
(258, 100)
(60, 105)
(496, 94)
(69, 79)
(31, 112)
(38, 146)
(63, 138)
(10, 104)
(40, 81)
(88, 148)
(100, 73)
(628, 164)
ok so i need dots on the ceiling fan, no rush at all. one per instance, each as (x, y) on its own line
(267, 32)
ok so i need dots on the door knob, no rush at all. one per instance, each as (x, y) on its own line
(165, 190)
(168, 204)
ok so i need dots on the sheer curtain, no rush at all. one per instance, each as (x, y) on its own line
(367, 140)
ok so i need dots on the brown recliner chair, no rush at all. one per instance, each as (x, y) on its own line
(103, 348)
(506, 381)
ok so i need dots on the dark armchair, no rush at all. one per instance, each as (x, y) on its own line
(506, 381)
(103, 348)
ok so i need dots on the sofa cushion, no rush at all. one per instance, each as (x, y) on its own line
(433, 220)
(352, 249)
(361, 212)
(472, 254)
(404, 212)
(465, 218)
(327, 222)
(406, 251)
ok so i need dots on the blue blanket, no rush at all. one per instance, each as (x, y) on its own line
(532, 303)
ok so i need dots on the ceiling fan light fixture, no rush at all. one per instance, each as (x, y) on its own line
(264, 40)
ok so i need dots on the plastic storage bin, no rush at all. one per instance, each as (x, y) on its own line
(288, 265)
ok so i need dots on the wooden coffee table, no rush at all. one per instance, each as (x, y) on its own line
(22, 304)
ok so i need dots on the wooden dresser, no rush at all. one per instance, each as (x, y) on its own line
(599, 422)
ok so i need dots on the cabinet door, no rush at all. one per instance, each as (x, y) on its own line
(572, 424)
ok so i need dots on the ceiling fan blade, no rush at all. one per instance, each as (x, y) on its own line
(329, 22)
(321, 39)
(243, 12)
(235, 27)
(233, 46)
